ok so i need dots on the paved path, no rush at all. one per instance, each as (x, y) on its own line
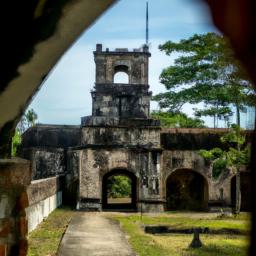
(91, 234)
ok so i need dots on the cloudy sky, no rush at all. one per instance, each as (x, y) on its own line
(65, 96)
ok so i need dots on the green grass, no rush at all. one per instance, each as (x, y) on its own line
(45, 239)
(177, 244)
(185, 221)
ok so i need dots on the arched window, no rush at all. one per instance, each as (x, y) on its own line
(121, 74)
(121, 78)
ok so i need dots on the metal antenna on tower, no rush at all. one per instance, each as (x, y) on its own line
(147, 23)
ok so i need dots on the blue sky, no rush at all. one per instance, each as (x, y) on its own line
(65, 95)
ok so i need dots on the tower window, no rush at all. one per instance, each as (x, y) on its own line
(121, 78)
(121, 74)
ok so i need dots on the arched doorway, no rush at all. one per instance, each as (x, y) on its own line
(245, 191)
(186, 190)
(119, 190)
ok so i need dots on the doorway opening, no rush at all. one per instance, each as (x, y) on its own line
(186, 190)
(119, 190)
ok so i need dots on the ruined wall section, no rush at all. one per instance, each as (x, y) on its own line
(46, 162)
(46, 146)
(95, 163)
(180, 151)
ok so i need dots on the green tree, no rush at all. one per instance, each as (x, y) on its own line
(178, 119)
(119, 186)
(237, 156)
(205, 71)
(31, 117)
(26, 121)
(16, 141)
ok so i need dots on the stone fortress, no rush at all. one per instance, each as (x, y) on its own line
(120, 138)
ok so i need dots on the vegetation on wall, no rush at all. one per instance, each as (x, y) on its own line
(236, 157)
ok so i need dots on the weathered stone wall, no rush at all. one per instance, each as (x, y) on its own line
(44, 196)
(191, 139)
(194, 138)
(14, 180)
(121, 100)
(95, 163)
(102, 149)
(219, 190)
(134, 63)
(46, 162)
(144, 137)
(56, 136)
(71, 191)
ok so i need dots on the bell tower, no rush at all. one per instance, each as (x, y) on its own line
(120, 103)
(119, 136)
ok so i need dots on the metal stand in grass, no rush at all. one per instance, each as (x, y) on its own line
(196, 242)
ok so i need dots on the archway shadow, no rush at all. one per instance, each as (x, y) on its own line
(186, 190)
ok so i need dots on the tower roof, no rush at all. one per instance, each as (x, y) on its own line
(123, 51)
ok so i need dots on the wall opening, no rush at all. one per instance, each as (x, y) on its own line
(186, 190)
(119, 190)
(121, 74)
(121, 78)
(245, 191)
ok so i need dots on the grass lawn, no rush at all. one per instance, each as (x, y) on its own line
(177, 244)
(45, 239)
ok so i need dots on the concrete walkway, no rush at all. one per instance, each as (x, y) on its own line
(91, 234)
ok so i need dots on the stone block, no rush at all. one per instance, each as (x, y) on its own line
(15, 171)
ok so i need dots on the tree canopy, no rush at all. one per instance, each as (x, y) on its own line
(207, 72)
(119, 186)
(26, 121)
(177, 120)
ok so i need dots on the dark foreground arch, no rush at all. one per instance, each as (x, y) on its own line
(186, 190)
(119, 206)
(245, 191)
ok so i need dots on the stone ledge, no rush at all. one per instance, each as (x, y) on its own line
(39, 190)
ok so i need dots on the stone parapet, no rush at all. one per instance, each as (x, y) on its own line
(44, 196)
(134, 136)
(104, 121)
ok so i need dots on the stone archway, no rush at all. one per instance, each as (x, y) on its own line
(186, 189)
(107, 204)
(245, 191)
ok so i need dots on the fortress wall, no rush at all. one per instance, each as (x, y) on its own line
(44, 196)
(55, 136)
